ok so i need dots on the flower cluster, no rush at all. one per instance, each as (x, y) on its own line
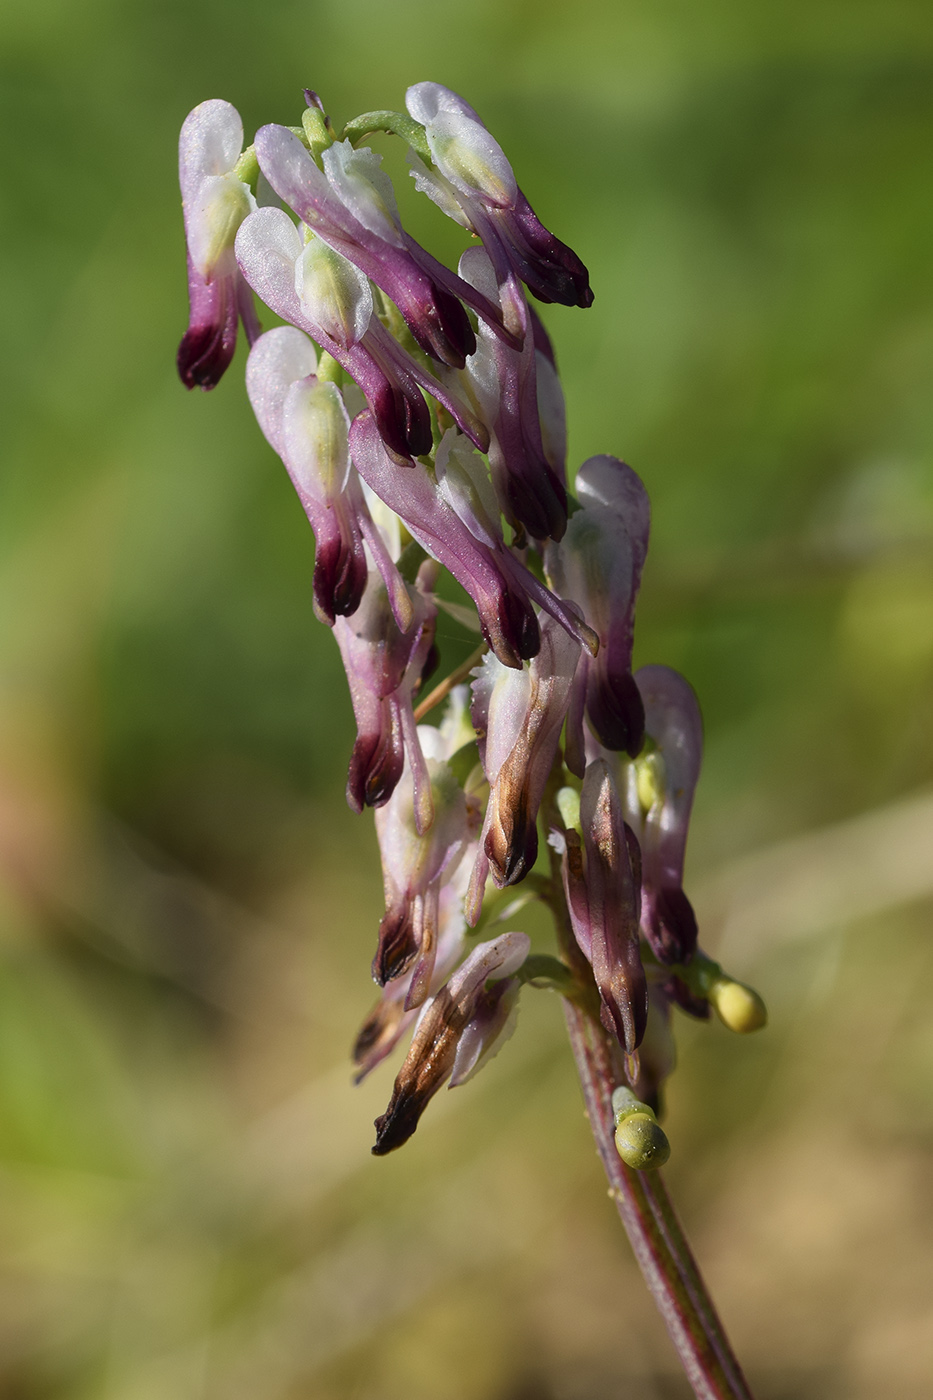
(420, 417)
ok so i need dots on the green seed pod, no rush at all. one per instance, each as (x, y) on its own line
(738, 1007)
(641, 1142)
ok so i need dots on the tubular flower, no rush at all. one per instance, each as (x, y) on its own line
(351, 207)
(319, 291)
(518, 717)
(417, 859)
(504, 382)
(474, 177)
(306, 422)
(460, 1028)
(459, 527)
(214, 202)
(598, 565)
(383, 666)
(659, 798)
(601, 882)
(391, 1017)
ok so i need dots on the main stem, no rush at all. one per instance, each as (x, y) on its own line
(656, 1235)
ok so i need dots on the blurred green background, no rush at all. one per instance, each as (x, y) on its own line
(188, 1208)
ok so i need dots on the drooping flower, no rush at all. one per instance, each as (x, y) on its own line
(598, 565)
(351, 207)
(459, 527)
(214, 203)
(601, 882)
(473, 178)
(417, 860)
(315, 288)
(504, 382)
(518, 717)
(460, 1028)
(659, 798)
(391, 1017)
(306, 422)
(383, 666)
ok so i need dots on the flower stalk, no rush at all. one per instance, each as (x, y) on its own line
(655, 1233)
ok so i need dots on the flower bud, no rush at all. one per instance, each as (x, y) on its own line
(641, 1142)
(740, 1008)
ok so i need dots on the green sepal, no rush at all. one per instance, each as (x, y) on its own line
(396, 124)
(247, 168)
(314, 125)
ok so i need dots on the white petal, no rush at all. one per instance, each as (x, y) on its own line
(210, 144)
(425, 100)
(471, 159)
(267, 248)
(276, 360)
(365, 189)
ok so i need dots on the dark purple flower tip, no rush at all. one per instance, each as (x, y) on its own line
(376, 763)
(615, 709)
(403, 420)
(206, 350)
(511, 843)
(313, 100)
(398, 1123)
(377, 1034)
(669, 923)
(340, 575)
(518, 630)
(541, 506)
(442, 328)
(398, 944)
(550, 270)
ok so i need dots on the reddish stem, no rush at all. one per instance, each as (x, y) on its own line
(656, 1235)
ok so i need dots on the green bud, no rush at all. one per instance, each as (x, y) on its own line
(641, 1142)
(314, 125)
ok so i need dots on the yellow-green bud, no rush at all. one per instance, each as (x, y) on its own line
(738, 1007)
(641, 1142)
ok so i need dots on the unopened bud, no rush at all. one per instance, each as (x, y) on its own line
(738, 1007)
(641, 1142)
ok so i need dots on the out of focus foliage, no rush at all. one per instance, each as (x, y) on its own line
(187, 910)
